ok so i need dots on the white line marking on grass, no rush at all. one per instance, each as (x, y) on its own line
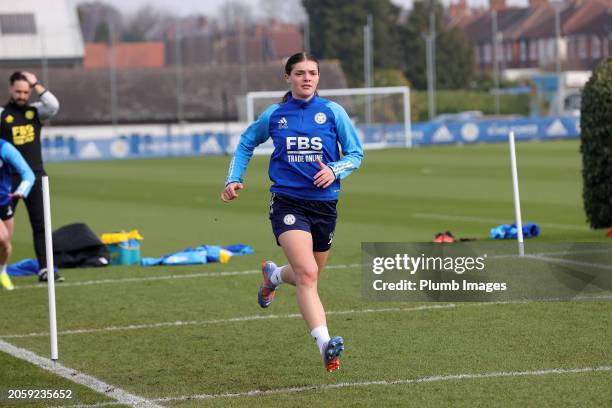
(163, 277)
(569, 262)
(180, 323)
(88, 381)
(436, 378)
(493, 221)
(230, 320)
(101, 404)
(421, 380)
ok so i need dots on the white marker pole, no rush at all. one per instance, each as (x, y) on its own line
(50, 269)
(517, 199)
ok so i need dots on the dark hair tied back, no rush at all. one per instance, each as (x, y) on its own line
(294, 59)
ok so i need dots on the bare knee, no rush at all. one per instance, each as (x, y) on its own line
(306, 275)
(5, 244)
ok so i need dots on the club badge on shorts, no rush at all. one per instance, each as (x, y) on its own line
(289, 219)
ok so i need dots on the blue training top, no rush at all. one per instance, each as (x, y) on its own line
(10, 157)
(302, 132)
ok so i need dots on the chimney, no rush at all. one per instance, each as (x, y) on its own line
(497, 4)
(459, 9)
(537, 3)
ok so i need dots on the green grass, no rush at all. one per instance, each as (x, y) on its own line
(398, 195)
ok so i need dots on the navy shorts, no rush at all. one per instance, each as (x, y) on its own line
(6, 212)
(316, 217)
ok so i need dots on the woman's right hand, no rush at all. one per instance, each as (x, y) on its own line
(230, 192)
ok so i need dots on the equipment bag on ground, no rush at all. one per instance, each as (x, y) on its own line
(76, 246)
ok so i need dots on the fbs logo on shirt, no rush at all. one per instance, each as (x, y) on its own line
(23, 134)
(301, 144)
(302, 149)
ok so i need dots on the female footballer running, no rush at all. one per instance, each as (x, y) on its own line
(305, 170)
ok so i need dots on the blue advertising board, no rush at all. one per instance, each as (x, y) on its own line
(81, 143)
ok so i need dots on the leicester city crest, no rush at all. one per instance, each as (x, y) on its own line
(320, 118)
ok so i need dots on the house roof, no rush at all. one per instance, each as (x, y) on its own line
(588, 16)
(127, 55)
(592, 17)
(150, 95)
(546, 25)
(508, 20)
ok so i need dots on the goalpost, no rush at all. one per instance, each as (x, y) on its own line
(381, 114)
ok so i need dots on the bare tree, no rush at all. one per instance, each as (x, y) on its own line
(143, 20)
(289, 11)
(234, 12)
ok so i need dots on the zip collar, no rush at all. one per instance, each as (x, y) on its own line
(302, 103)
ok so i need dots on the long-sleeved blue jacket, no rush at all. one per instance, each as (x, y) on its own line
(10, 157)
(302, 132)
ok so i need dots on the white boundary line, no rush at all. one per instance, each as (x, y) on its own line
(569, 262)
(325, 387)
(431, 216)
(229, 320)
(296, 316)
(121, 396)
(256, 271)
(164, 277)
(436, 378)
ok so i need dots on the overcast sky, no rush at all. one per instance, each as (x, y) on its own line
(210, 7)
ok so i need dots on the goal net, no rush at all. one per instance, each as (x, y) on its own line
(381, 115)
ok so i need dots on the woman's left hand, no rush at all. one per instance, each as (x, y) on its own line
(325, 177)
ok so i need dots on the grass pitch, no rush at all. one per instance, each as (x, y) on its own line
(199, 339)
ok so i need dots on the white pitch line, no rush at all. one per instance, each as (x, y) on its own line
(421, 380)
(99, 405)
(569, 262)
(180, 323)
(120, 395)
(163, 277)
(238, 273)
(495, 222)
(223, 321)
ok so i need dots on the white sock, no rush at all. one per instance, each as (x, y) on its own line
(276, 277)
(321, 336)
(2, 268)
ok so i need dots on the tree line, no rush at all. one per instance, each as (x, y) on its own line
(336, 31)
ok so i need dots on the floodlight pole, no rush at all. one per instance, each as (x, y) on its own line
(178, 37)
(307, 34)
(113, 76)
(560, 83)
(494, 36)
(517, 199)
(430, 55)
(368, 66)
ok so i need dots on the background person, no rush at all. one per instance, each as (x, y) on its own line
(9, 155)
(21, 124)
